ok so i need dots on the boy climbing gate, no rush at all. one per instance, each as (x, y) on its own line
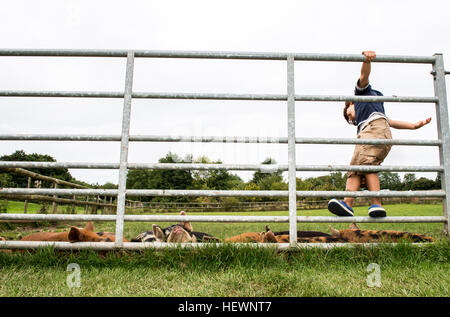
(372, 123)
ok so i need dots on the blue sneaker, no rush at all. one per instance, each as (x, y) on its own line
(377, 211)
(339, 208)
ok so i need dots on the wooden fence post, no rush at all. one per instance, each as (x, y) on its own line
(25, 207)
(73, 205)
(54, 206)
(87, 206)
(95, 210)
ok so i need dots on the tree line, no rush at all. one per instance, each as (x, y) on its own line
(211, 179)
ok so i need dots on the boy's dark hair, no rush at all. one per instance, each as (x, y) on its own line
(347, 104)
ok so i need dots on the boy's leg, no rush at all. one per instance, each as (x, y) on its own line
(353, 184)
(373, 184)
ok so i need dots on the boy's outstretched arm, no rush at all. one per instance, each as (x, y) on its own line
(366, 68)
(408, 125)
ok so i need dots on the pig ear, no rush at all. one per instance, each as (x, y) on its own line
(270, 237)
(74, 234)
(186, 224)
(89, 226)
(170, 237)
(354, 226)
(334, 232)
(267, 228)
(159, 234)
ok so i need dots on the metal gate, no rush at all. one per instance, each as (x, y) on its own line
(443, 142)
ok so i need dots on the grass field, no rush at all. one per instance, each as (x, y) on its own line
(405, 270)
(18, 207)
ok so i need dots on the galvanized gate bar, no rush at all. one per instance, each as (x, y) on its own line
(271, 97)
(212, 96)
(292, 179)
(443, 127)
(230, 167)
(220, 193)
(213, 139)
(62, 94)
(103, 246)
(123, 170)
(281, 167)
(230, 219)
(217, 55)
(367, 141)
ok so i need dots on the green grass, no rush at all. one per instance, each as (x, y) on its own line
(230, 271)
(406, 270)
(18, 207)
(33, 208)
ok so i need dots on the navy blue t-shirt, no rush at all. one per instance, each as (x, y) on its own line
(364, 110)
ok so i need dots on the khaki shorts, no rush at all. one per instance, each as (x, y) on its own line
(367, 154)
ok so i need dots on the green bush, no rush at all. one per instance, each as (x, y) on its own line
(230, 203)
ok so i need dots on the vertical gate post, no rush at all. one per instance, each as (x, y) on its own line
(443, 132)
(291, 152)
(123, 169)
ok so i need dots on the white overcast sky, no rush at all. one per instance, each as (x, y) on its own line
(402, 27)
